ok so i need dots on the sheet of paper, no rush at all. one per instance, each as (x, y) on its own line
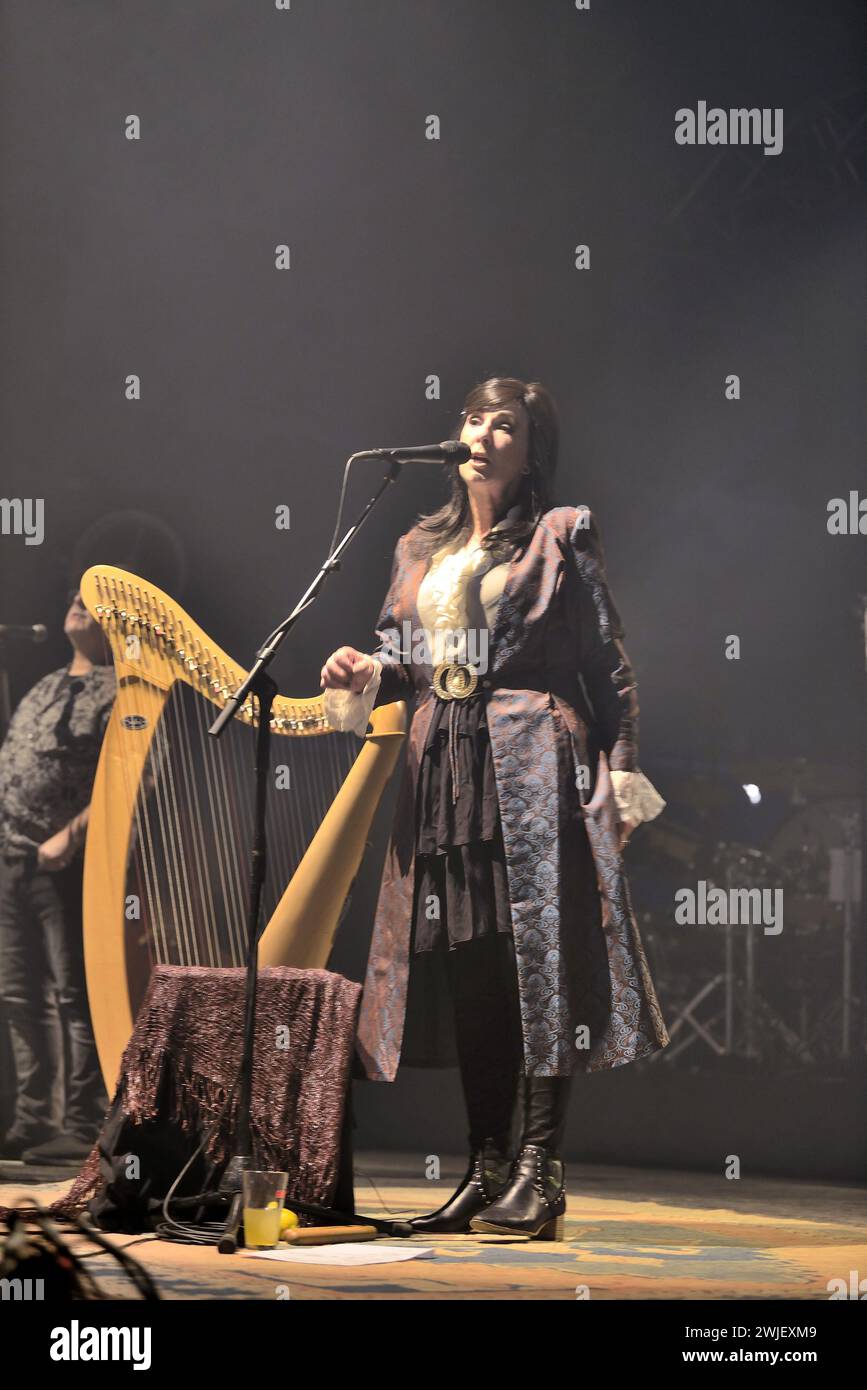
(351, 1252)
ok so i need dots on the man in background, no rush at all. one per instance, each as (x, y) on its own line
(47, 766)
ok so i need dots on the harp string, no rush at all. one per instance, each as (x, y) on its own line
(199, 927)
(146, 832)
(177, 776)
(218, 777)
(282, 808)
(179, 873)
(241, 764)
(192, 819)
(168, 861)
(222, 773)
(163, 883)
(289, 817)
(151, 917)
(201, 796)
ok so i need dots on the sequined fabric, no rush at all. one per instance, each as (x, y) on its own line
(187, 1043)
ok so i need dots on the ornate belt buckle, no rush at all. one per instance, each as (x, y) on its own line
(454, 680)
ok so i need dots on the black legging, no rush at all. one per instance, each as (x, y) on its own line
(483, 978)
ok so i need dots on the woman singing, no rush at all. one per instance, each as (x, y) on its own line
(504, 931)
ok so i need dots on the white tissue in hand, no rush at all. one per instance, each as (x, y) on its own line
(636, 797)
(349, 712)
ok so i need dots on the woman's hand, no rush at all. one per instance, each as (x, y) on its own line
(626, 828)
(347, 669)
(601, 793)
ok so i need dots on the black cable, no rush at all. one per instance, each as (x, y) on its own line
(188, 1232)
(57, 1245)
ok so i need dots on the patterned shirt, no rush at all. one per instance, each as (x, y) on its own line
(49, 757)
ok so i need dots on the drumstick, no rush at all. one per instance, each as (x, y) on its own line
(327, 1235)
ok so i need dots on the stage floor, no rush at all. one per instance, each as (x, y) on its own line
(630, 1233)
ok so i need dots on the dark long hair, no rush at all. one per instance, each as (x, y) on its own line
(454, 520)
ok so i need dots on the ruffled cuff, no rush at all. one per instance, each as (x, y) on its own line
(636, 798)
(349, 712)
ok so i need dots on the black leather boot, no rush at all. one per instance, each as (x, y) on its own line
(534, 1202)
(485, 1178)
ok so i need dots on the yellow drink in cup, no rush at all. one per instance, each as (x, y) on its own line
(263, 1194)
(261, 1228)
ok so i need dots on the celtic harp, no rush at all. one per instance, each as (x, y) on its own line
(166, 868)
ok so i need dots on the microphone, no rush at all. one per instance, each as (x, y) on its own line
(20, 632)
(450, 451)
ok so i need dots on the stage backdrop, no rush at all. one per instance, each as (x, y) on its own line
(241, 241)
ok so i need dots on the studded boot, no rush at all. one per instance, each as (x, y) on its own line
(533, 1204)
(534, 1201)
(485, 1178)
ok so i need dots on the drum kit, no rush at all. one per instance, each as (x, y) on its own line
(735, 989)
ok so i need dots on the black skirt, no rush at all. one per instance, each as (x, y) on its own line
(461, 888)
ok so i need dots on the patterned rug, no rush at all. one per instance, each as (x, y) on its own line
(630, 1234)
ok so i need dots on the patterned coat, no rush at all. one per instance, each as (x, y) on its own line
(587, 1001)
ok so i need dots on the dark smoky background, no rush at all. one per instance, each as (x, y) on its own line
(452, 260)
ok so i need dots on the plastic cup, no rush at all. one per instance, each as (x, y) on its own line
(263, 1194)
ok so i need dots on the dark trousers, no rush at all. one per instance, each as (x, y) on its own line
(41, 951)
(483, 980)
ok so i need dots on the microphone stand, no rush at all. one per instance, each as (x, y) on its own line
(259, 683)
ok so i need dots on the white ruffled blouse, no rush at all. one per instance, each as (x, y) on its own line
(461, 592)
